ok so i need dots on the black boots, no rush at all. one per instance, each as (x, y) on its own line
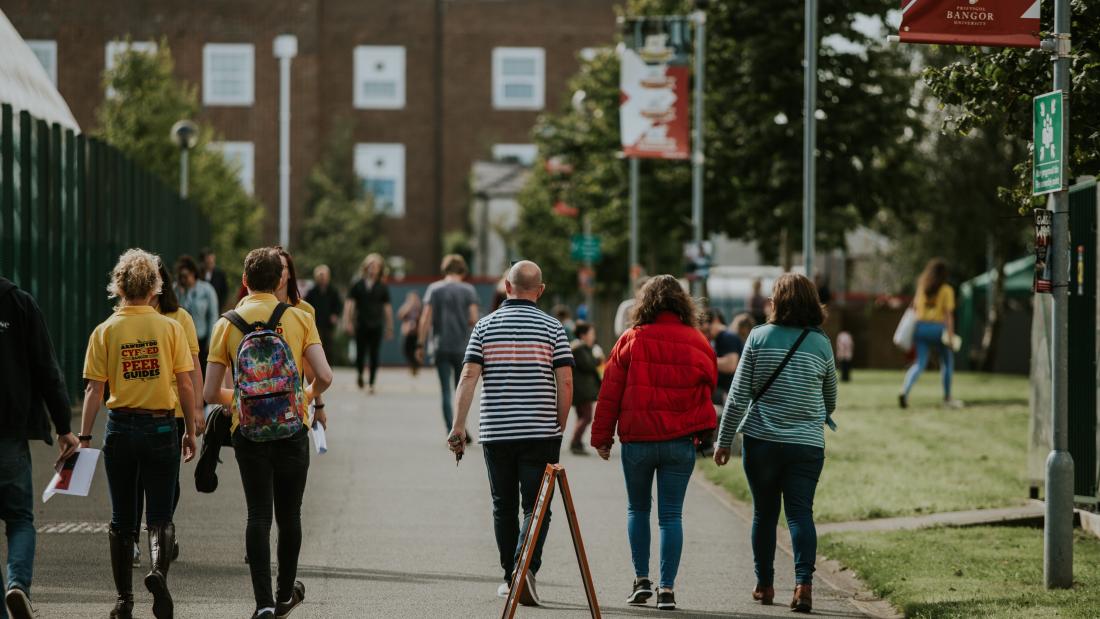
(122, 557)
(161, 541)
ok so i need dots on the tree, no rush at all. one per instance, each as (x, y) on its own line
(993, 88)
(137, 119)
(753, 184)
(341, 225)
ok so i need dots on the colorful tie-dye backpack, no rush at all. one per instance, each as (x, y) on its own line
(267, 395)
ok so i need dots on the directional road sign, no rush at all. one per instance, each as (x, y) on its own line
(585, 248)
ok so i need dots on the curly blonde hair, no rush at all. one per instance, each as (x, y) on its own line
(136, 276)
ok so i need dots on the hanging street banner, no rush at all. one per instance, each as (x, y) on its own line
(991, 23)
(654, 88)
(1048, 153)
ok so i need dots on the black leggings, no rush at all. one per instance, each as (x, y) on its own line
(274, 476)
(367, 341)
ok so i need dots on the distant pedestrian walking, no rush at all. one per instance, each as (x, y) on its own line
(137, 352)
(586, 382)
(325, 299)
(783, 394)
(214, 276)
(268, 344)
(623, 313)
(657, 393)
(450, 312)
(727, 348)
(199, 299)
(845, 351)
(168, 305)
(32, 394)
(409, 315)
(934, 303)
(524, 357)
(369, 316)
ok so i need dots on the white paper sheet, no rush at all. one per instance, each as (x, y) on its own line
(75, 476)
(319, 442)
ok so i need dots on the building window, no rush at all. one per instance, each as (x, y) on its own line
(227, 74)
(519, 75)
(381, 169)
(379, 77)
(519, 153)
(46, 52)
(240, 157)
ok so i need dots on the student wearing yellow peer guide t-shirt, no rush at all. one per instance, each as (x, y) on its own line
(273, 473)
(137, 351)
(934, 304)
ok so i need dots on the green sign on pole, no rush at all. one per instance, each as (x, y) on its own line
(1048, 159)
(585, 248)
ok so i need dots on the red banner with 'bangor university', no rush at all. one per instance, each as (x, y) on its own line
(993, 23)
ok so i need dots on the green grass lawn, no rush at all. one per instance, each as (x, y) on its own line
(972, 572)
(884, 461)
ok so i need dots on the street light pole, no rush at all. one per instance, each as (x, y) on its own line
(184, 134)
(697, 158)
(183, 172)
(1058, 532)
(634, 264)
(285, 48)
(809, 160)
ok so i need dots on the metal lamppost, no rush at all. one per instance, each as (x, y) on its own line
(285, 49)
(184, 134)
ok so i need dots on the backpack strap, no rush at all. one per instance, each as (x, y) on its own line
(235, 319)
(276, 316)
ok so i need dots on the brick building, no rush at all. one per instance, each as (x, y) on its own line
(433, 86)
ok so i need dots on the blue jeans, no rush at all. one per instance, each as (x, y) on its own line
(928, 336)
(448, 365)
(17, 512)
(786, 472)
(145, 446)
(672, 462)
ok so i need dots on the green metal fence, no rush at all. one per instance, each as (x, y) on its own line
(69, 205)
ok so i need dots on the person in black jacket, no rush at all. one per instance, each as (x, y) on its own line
(30, 386)
(215, 277)
(586, 382)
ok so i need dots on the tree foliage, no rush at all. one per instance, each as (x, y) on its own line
(137, 119)
(992, 89)
(753, 185)
(341, 225)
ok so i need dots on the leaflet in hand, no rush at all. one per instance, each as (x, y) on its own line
(75, 476)
(319, 442)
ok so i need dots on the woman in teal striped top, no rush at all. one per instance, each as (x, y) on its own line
(783, 423)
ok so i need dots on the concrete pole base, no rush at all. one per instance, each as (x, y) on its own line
(1058, 530)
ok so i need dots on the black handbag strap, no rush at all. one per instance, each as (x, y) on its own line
(782, 364)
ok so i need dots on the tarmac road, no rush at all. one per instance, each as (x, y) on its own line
(394, 529)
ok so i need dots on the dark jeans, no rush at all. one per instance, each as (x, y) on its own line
(410, 351)
(274, 476)
(515, 470)
(787, 472)
(204, 350)
(17, 512)
(368, 340)
(141, 456)
(139, 496)
(448, 364)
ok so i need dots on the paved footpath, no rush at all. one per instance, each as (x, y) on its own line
(394, 529)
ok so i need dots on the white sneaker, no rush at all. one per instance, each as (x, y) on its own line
(954, 404)
(529, 596)
(503, 590)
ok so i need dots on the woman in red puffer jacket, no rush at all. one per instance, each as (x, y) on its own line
(657, 389)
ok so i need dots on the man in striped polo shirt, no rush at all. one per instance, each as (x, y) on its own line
(524, 356)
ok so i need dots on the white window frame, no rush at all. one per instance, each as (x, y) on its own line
(523, 153)
(536, 81)
(49, 48)
(247, 95)
(241, 158)
(113, 48)
(393, 155)
(366, 58)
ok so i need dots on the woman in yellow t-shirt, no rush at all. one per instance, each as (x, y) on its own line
(935, 306)
(167, 303)
(137, 351)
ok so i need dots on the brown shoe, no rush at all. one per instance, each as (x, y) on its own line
(803, 599)
(764, 595)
